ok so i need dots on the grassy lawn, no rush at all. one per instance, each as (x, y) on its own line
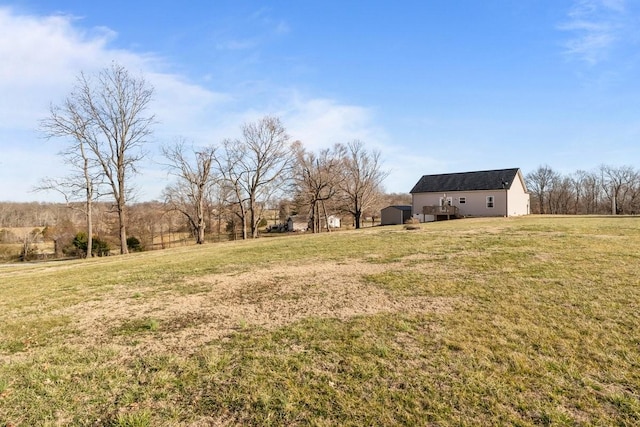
(525, 321)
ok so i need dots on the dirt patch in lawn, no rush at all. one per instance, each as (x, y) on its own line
(223, 303)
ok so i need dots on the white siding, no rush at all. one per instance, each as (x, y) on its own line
(518, 202)
(475, 202)
(506, 202)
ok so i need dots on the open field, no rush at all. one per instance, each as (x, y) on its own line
(525, 321)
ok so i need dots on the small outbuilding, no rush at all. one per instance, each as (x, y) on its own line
(396, 214)
(297, 223)
(333, 221)
(302, 222)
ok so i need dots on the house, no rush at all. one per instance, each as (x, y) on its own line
(397, 214)
(500, 192)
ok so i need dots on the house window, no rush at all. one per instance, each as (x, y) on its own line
(463, 200)
(490, 201)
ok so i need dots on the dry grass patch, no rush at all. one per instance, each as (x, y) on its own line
(267, 298)
(528, 321)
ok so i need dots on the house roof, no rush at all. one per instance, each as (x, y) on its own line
(466, 181)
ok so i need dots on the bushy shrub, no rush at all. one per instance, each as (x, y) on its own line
(412, 224)
(133, 244)
(98, 247)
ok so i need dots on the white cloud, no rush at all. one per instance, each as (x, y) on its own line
(43, 47)
(262, 27)
(320, 123)
(406, 168)
(617, 5)
(41, 57)
(272, 25)
(282, 28)
(183, 108)
(596, 26)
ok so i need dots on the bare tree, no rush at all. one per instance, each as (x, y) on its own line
(362, 178)
(230, 168)
(82, 182)
(620, 186)
(587, 191)
(107, 114)
(61, 233)
(609, 189)
(28, 240)
(145, 222)
(561, 195)
(540, 182)
(255, 168)
(317, 179)
(194, 180)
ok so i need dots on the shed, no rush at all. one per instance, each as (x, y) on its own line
(396, 214)
(333, 221)
(297, 223)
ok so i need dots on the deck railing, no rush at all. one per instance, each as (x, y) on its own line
(440, 210)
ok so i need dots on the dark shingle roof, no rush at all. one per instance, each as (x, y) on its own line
(401, 207)
(466, 181)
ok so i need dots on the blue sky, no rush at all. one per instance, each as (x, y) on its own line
(436, 86)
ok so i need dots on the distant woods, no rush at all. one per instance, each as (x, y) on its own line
(606, 190)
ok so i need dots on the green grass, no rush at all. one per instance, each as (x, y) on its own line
(527, 321)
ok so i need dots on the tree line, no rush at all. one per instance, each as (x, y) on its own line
(605, 190)
(107, 123)
(25, 228)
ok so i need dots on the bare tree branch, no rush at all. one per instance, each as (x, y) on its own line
(106, 116)
(256, 167)
(194, 181)
(362, 180)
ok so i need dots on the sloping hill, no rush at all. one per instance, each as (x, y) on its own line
(472, 322)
